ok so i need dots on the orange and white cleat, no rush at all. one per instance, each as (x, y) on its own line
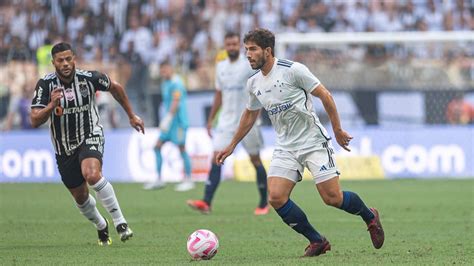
(200, 206)
(262, 211)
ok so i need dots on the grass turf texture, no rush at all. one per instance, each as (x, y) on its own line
(425, 222)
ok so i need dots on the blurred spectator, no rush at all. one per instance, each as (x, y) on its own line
(138, 77)
(459, 111)
(137, 35)
(19, 110)
(140, 36)
(18, 50)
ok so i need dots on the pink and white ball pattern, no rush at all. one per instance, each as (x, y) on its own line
(202, 244)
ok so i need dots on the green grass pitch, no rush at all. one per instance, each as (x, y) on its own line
(425, 222)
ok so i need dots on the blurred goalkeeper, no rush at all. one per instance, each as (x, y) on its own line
(173, 126)
(230, 97)
(285, 89)
(67, 98)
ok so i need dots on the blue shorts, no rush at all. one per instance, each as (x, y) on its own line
(176, 135)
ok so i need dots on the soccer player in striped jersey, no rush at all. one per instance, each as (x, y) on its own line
(67, 98)
(285, 89)
(230, 97)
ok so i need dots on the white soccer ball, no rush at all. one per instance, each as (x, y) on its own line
(202, 244)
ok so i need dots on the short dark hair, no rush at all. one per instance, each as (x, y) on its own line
(262, 37)
(231, 34)
(61, 47)
(165, 62)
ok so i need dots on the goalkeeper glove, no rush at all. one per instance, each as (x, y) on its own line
(166, 122)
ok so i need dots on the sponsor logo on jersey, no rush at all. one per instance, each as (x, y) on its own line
(84, 73)
(279, 108)
(104, 82)
(93, 140)
(38, 95)
(69, 94)
(76, 109)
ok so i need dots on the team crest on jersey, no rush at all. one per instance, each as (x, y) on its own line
(69, 94)
(83, 89)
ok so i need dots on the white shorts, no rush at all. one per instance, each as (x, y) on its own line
(318, 159)
(253, 141)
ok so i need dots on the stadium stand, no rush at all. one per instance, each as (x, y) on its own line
(129, 39)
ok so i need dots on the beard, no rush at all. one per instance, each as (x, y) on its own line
(259, 63)
(233, 55)
(66, 77)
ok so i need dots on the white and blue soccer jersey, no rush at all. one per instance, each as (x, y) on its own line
(285, 93)
(231, 78)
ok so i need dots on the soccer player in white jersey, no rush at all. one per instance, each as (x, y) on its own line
(231, 77)
(284, 88)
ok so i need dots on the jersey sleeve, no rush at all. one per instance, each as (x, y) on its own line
(303, 78)
(41, 96)
(100, 81)
(178, 90)
(253, 103)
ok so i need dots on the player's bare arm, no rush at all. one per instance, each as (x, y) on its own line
(39, 116)
(215, 107)
(175, 104)
(246, 122)
(342, 137)
(118, 92)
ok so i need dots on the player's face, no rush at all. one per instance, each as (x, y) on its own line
(166, 71)
(65, 64)
(255, 54)
(232, 46)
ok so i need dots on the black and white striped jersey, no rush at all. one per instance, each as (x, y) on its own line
(77, 118)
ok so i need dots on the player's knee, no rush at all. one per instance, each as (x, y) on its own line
(256, 160)
(92, 175)
(277, 200)
(333, 198)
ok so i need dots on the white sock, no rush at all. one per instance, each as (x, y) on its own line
(89, 210)
(105, 193)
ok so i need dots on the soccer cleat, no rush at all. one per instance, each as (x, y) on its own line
(104, 238)
(154, 185)
(375, 229)
(184, 186)
(124, 231)
(318, 248)
(199, 205)
(261, 211)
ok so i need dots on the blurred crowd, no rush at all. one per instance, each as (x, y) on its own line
(130, 38)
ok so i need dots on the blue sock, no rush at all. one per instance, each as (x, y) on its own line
(187, 163)
(351, 203)
(293, 216)
(262, 185)
(159, 161)
(212, 183)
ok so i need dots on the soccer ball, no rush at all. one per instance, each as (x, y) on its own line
(202, 244)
